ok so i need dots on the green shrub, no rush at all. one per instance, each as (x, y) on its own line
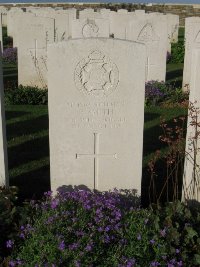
(160, 92)
(177, 52)
(26, 95)
(82, 228)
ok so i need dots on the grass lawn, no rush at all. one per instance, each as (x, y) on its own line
(28, 144)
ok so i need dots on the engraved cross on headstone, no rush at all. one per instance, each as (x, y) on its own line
(96, 155)
(148, 66)
(34, 52)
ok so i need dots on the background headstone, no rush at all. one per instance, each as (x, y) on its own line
(36, 33)
(85, 28)
(152, 31)
(4, 181)
(191, 178)
(192, 40)
(95, 120)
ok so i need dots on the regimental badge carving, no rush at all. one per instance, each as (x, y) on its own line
(90, 29)
(96, 75)
(147, 34)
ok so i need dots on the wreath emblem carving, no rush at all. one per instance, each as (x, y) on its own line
(96, 75)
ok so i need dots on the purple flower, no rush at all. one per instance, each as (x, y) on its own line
(10, 55)
(22, 236)
(9, 243)
(179, 263)
(139, 237)
(61, 245)
(48, 194)
(77, 264)
(107, 228)
(163, 232)
(12, 263)
(88, 247)
(73, 246)
(155, 263)
(19, 262)
(177, 251)
(130, 263)
(54, 203)
(152, 241)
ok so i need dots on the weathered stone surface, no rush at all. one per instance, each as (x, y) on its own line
(172, 28)
(96, 113)
(191, 178)
(85, 28)
(192, 40)
(36, 33)
(152, 31)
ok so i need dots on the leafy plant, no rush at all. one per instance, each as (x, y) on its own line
(161, 93)
(177, 52)
(83, 228)
(155, 92)
(26, 95)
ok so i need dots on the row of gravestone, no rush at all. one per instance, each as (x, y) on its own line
(33, 29)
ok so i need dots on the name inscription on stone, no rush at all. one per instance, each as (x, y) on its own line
(97, 115)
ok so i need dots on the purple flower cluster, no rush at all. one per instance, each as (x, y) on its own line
(10, 55)
(84, 228)
(153, 89)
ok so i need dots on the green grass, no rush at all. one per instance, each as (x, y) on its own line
(28, 144)
(10, 73)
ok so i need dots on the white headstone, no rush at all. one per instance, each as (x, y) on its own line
(90, 14)
(152, 31)
(192, 40)
(119, 23)
(36, 33)
(1, 34)
(172, 28)
(12, 15)
(191, 178)
(84, 28)
(3, 12)
(95, 118)
(4, 181)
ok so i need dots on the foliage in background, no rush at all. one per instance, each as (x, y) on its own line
(26, 95)
(170, 189)
(158, 92)
(83, 228)
(177, 52)
(10, 55)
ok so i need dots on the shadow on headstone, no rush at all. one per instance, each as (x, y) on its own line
(70, 188)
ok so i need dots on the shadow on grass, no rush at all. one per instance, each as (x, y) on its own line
(174, 74)
(35, 149)
(150, 116)
(15, 114)
(33, 184)
(26, 127)
(152, 189)
(151, 144)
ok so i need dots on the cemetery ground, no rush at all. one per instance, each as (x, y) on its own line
(91, 228)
